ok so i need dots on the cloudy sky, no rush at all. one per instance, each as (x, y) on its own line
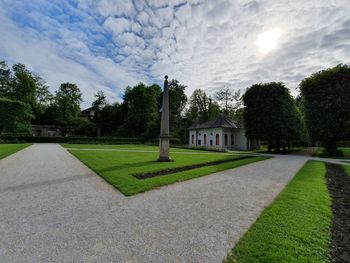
(109, 44)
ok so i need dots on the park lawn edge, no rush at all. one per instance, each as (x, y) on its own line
(20, 147)
(175, 177)
(321, 153)
(295, 227)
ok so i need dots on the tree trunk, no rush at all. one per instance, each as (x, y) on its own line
(278, 146)
(269, 146)
(332, 150)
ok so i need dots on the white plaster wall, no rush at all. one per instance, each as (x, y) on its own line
(241, 142)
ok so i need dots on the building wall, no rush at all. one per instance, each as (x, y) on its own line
(240, 141)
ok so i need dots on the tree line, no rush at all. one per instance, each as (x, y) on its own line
(320, 113)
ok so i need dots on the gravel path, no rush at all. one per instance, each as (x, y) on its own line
(54, 209)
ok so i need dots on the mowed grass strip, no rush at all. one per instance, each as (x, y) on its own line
(322, 153)
(8, 149)
(347, 169)
(118, 168)
(295, 227)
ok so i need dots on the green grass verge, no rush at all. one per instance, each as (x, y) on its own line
(8, 149)
(321, 153)
(347, 169)
(295, 227)
(118, 168)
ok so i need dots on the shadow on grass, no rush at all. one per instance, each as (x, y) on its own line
(125, 165)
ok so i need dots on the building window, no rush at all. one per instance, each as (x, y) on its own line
(199, 134)
(217, 139)
(226, 139)
(211, 142)
(232, 139)
(205, 139)
(211, 134)
(192, 139)
(199, 142)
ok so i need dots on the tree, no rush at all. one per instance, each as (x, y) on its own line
(14, 116)
(97, 106)
(5, 79)
(202, 108)
(67, 101)
(326, 98)
(270, 114)
(141, 107)
(177, 104)
(228, 100)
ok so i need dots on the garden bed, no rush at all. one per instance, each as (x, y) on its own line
(338, 183)
(187, 168)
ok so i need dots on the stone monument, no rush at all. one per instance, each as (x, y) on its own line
(164, 136)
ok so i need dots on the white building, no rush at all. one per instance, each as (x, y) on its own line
(220, 133)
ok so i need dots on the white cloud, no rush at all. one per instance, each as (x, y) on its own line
(204, 44)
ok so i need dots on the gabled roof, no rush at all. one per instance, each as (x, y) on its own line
(220, 122)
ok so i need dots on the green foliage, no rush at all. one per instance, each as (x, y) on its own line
(67, 104)
(118, 168)
(8, 149)
(295, 227)
(326, 97)
(141, 105)
(271, 114)
(201, 107)
(15, 116)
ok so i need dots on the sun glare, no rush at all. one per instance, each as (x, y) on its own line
(267, 40)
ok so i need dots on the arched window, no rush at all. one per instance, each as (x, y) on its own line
(192, 139)
(205, 139)
(217, 139)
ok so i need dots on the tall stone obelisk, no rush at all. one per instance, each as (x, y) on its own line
(164, 136)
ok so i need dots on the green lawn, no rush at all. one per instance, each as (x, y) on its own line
(321, 153)
(347, 169)
(295, 227)
(118, 168)
(8, 149)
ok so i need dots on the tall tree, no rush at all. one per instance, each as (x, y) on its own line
(228, 100)
(201, 107)
(270, 114)
(141, 104)
(67, 100)
(326, 97)
(14, 116)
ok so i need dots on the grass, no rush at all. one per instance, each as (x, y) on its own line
(322, 153)
(347, 169)
(295, 227)
(118, 168)
(8, 149)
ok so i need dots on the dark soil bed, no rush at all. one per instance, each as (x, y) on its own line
(186, 168)
(339, 187)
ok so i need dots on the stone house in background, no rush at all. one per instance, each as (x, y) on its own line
(221, 133)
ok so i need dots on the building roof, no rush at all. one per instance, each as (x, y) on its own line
(220, 122)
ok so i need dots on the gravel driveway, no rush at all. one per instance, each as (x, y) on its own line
(54, 209)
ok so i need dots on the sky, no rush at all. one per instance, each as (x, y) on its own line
(205, 44)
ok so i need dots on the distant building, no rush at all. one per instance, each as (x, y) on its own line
(46, 130)
(220, 133)
(88, 113)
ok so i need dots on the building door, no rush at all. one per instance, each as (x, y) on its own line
(226, 139)
(232, 139)
(205, 139)
(217, 139)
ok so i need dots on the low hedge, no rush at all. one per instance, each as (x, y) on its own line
(75, 140)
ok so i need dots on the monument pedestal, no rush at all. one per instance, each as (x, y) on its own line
(164, 141)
